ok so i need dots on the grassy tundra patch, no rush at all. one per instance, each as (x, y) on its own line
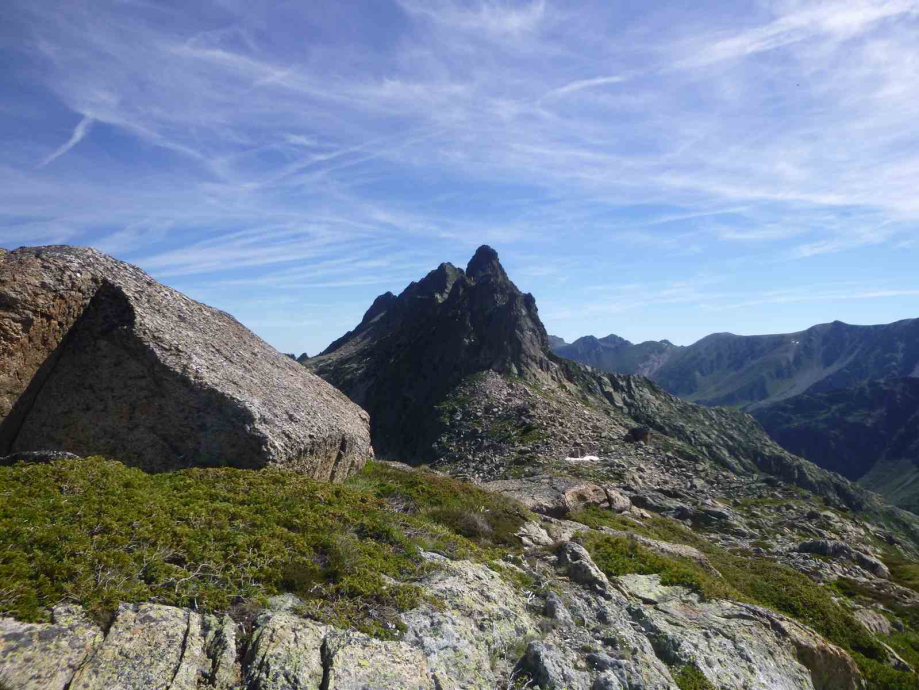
(97, 533)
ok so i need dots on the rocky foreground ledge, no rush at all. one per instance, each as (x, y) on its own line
(578, 630)
(96, 357)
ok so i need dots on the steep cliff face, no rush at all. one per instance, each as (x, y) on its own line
(410, 350)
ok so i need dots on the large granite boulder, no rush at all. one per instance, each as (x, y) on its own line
(96, 357)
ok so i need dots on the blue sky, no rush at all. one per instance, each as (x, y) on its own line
(655, 170)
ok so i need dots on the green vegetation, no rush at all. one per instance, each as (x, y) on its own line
(905, 643)
(622, 555)
(655, 527)
(689, 677)
(880, 676)
(96, 532)
(902, 571)
(767, 583)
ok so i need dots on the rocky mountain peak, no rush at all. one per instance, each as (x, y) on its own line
(485, 262)
(410, 349)
(614, 340)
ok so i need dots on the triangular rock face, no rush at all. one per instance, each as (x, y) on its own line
(98, 358)
(411, 349)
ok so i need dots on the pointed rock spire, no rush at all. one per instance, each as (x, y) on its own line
(485, 262)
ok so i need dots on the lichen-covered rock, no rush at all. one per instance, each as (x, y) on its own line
(874, 621)
(45, 657)
(480, 619)
(736, 645)
(98, 358)
(550, 668)
(581, 568)
(532, 534)
(356, 661)
(285, 654)
(161, 648)
(618, 502)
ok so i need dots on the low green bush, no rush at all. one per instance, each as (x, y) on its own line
(621, 556)
(689, 677)
(655, 527)
(96, 532)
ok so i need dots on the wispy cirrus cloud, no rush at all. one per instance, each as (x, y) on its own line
(79, 132)
(239, 145)
(497, 18)
(581, 84)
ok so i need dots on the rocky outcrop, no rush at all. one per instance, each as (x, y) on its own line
(98, 358)
(46, 656)
(411, 350)
(837, 549)
(162, 648)
(476, 630)
(737, 645)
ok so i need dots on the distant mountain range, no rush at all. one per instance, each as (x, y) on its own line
(837, 394)
(618, 355)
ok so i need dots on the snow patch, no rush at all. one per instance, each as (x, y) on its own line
(586, 458)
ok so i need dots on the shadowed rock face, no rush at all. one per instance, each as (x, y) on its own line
(408, 351)
(98, 358)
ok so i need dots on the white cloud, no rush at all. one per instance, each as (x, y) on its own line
(79, 132)
(581, 84)
(490, 16)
